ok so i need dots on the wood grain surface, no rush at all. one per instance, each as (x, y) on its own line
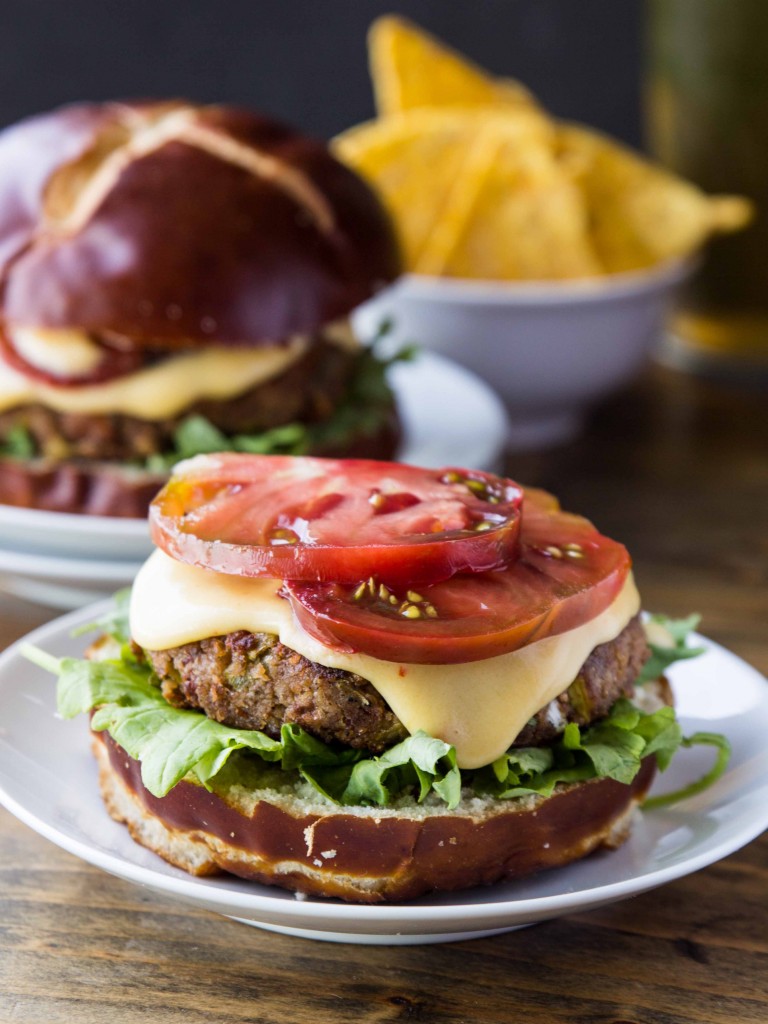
(676, 468)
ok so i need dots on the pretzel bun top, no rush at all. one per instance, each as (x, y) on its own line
(178, 226)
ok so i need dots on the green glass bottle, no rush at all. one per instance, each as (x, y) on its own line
(707, 119)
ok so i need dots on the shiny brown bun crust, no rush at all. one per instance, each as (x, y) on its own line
(86, 488)
(113, 489)
(178, 226)
(366, 855)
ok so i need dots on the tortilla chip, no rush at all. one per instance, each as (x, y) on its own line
(526, 220)
(410, 68)
(640, 213)
(422, 162)
(412, 161)
(521, 131)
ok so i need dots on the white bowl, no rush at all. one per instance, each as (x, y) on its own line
(550, 349)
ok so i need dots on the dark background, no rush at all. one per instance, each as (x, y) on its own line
(305, 60)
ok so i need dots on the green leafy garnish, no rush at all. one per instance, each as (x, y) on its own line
(198, 436)
(292, 439)
(419, 763)
(663, 656)
(710, 739)
(18, 443)
(613, 748)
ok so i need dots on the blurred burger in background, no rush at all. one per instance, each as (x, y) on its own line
(177, 279)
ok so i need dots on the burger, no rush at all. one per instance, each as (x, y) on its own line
(370, 681)
(177, 279)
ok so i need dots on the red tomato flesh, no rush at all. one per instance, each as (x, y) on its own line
(334, 520)
(565, 575)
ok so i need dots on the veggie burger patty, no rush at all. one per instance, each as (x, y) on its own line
(253, 681)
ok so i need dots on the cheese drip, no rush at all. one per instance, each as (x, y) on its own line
(155, 392)
(479, 707)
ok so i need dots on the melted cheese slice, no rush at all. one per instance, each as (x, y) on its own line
(479, 707)
(152, 393)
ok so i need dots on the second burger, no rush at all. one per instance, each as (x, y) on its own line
(177, 279)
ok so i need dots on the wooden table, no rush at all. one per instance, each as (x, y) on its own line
(679, 470)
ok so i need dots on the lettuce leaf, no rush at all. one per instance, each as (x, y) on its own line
(613, 748)
(418, 764)
(662, 657)
(18, 443)
(722, 757)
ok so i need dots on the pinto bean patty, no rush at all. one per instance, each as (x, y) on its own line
(252, 681)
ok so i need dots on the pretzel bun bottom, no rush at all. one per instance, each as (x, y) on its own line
(88, 488)
(366, 854)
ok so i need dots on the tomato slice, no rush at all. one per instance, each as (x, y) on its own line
(566, 574)
(114, 362)
(335, 520)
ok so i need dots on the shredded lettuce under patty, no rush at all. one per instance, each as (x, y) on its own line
(173, 743)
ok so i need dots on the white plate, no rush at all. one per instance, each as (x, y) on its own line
(65, 535)
(48, 780)
(449, 417)
(62, 582)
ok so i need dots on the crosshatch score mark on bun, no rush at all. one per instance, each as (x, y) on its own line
(143, 132)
